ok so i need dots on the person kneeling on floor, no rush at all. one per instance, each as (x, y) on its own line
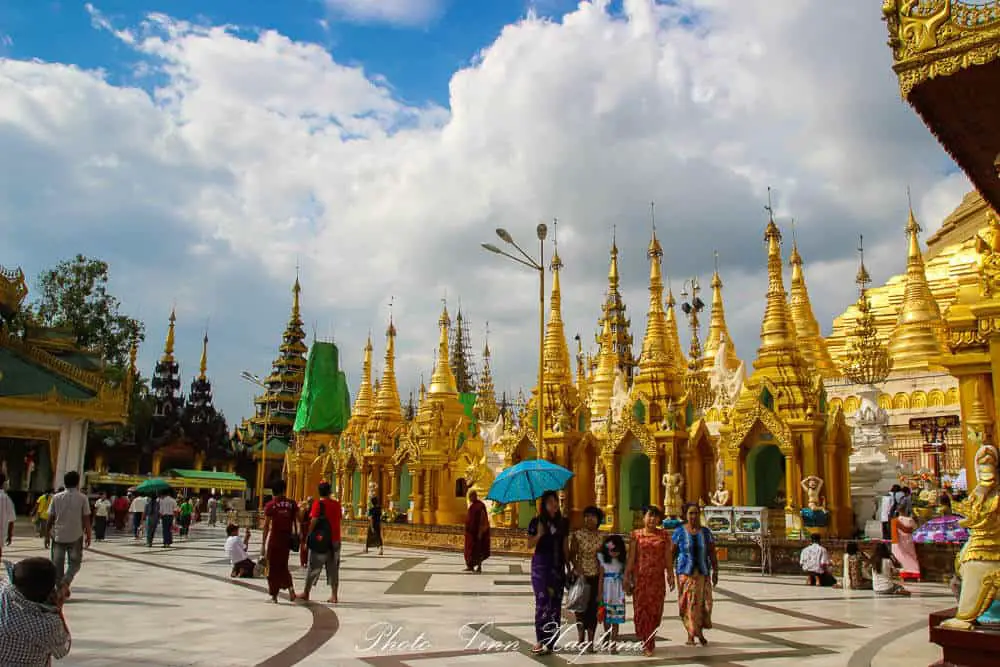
(815, 562)
(236, 549)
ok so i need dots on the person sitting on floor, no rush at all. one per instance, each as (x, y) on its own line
(815, 562)
(237, 549)
(885, 569)
(856, 569)
(33, 629)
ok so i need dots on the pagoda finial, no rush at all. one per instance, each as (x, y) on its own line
(867, 361)
(614, 310)
(486, 396)
(603, 382)
(556, 353)
(657, 363)
(486, 341)
(918, 338)
(673, 335)
(614, 279)
(168, 345)
(203, 366)
(776, 330)
(808, 334)
(442, 379)
(388, 406)
(363, 402)
(718, 330)
(296, 291)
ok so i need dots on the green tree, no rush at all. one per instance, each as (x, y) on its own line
(74, 294)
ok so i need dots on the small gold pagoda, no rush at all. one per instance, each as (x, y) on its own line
(906, 311)
(807, 332)
(718, 330)
(779, 433)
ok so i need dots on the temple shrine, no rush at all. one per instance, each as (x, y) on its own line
(51, 390)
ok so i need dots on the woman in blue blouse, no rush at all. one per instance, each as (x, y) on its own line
(697, 569)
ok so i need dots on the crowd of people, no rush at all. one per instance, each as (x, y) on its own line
(600, 571)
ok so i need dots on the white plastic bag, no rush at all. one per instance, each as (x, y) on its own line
(576, 596)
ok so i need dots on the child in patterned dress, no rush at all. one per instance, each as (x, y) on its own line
(611, 587)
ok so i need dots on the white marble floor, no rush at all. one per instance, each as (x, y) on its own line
(177, 606)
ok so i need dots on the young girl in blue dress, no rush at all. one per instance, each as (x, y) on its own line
(611, 586)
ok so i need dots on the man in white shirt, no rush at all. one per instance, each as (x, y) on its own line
(102, 512)
(236, 549)
(136, 508)
(68, 531)
(815, 562)
(167, 507)
(7, 515)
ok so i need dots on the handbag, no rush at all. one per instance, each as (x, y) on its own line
(294, 543)
(576, 598)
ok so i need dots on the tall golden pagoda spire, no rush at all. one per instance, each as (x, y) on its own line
(363, 403)
(168, 345)
(777, 332)
(657, 368)
(810, 339)
(614, 310)
(779, 360)
(917, 339)
(674, 339)
(203, 366)
(557, 366)
(603, 383)
(442, 379)
(717, 328)
(365, 400)
(388, 406)
(486, 394)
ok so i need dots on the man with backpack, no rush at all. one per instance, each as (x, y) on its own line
(324, 542)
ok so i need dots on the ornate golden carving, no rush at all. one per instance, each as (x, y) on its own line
(931, 38)
(13, 289)
(988, 257)
(747, 420)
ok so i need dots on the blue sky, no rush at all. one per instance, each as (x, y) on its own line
(377, 146)
(418, 60)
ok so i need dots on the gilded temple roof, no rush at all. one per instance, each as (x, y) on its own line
(950, 254)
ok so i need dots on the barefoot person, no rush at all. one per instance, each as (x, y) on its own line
(649, 572)
(584, 543)
(68, 531)
(548, 534)
(280, 525)
(324, 542)
(33, 630)
(238, 552)
(477, 534)
(697, 572)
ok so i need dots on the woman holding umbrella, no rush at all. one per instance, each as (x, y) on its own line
(548, 533)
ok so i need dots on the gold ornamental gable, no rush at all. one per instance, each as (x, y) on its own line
(932, 38)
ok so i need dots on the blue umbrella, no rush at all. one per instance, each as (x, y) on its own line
(528, 480)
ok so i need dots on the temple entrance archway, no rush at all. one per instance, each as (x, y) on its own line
(633, 488)
(765, 476)
(405, 486)
(357, 491)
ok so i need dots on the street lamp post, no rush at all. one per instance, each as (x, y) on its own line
(253, 379)
(527, 260)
